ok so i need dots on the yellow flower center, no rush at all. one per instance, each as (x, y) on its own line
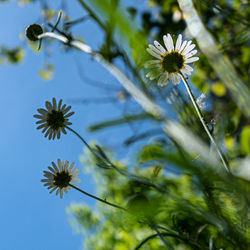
(55, 119)
(172, 62)
(62, 179)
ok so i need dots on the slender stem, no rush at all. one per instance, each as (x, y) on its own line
(145, 241)
(58, 20)
(222, 157)
(162, 238)
(122, 172)
(97, 154)
(185, 239)
(193, 244)
(86, 144)
(96, 198)
(146, 103)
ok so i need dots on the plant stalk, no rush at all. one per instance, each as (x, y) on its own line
(221, 155)
(97, 198)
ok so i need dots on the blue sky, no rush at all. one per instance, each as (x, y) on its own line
(31, 218)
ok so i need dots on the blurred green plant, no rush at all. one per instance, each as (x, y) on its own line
(175, 192)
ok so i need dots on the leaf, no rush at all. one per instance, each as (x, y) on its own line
(219, 89)
(124, 120)
(14, 55)
(245, 139)
(124, 27)
(152, 152)
(47, 73)
(83, 216)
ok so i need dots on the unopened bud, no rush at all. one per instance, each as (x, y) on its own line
(33, 31)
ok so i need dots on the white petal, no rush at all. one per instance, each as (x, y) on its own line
(153, 48)
(52, 190)
(153, 74)
(152, 53)
(57, 191)
(42, 126)
(55, 167)
(45, 129)
(76, 180)
(167, 43)
(67, 109)
(171, 43)
(51, 169)
(66, 166)
(185, 72)
(159, 47)
(48, 105)
(187, 45)
(54, 103)
(59, 163)
(59, 104)
(175, 79)
(178, 43)
(192, 53)
(38, 116)
(42, 121)
(188, 49)
(63, 107)
(50, 136)
(187, 67)
(69, 114)
(47, 133)
(182, 46)
(151, 63)
(192, 59)
(163, 80)
(44, 112)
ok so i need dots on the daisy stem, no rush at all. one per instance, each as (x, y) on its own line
(91, 149)
(222, 157)
(86, 144)
(122, 172)
(97, 198)
(162, 238)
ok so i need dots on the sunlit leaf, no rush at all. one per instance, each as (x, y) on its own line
(218, 89)
(12, 56)
(245, 139)
(47, 72)
(119, 121)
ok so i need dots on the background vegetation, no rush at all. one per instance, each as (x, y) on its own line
(178, 197)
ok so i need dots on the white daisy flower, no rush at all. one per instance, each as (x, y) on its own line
(54, 119)
(59, 177)
(171, 60)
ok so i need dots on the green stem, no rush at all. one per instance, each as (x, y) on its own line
(99, 156)
(162, 238)
(122, 172)
(85, 143)
(222, 157)
(97, 198)
(58, 20)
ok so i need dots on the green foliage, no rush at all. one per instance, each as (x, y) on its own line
(191, 203)
(196, 207)
(115, 122)
(172, 196)
(83, 215)
(13, 55)
(47, 72)
(245, 139)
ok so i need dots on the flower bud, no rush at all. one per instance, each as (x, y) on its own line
(33, 31)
